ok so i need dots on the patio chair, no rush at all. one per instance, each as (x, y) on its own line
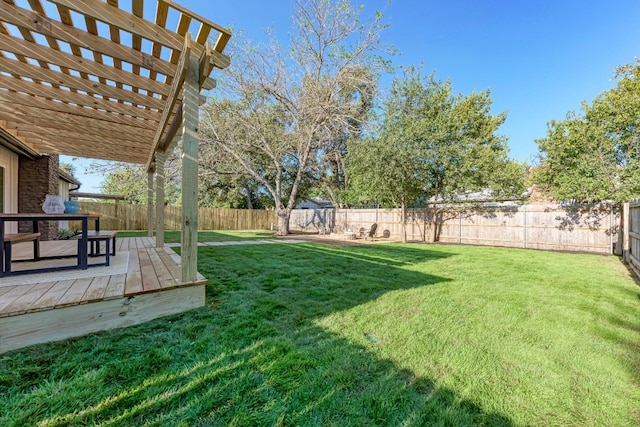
(372, 232)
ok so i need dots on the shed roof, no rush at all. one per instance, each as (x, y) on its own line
(98, 79)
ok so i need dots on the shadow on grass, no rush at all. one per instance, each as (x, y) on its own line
(252, 356)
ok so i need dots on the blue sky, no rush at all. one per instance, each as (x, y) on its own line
(539, 58)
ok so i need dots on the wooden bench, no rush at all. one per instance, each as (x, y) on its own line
(95, 237)
(11, 238)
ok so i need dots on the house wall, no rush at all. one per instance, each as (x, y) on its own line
(9, 161)
(37, 178)
(63, 191)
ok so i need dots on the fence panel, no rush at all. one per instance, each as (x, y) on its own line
(123, 216)
(551, 227)
(633, 235)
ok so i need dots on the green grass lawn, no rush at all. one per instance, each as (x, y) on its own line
(387, 334)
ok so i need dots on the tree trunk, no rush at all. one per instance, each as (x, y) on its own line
(435, 223)
(283, 221)
(247, 197)
(425, 212)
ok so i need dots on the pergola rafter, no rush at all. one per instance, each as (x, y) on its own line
(51, 63)
(91, 79)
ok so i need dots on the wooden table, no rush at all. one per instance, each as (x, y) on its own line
(38, 217)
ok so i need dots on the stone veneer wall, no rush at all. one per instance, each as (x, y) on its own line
(36, 179)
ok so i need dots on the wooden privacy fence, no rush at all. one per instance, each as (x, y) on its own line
(631, 227)
(552, 227)
(122, 216)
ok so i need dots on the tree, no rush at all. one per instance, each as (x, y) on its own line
(435, 146)
(224, 184)
(130, 181)
(383, 171)
(594, 156)
(283, 115)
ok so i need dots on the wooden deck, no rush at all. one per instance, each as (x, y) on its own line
(142, 283)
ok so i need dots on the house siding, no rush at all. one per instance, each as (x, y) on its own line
(63, 191)
(9, 161)
(37, 178)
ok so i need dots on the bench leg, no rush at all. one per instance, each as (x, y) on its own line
(113, 246)
(36, 250)
(7, 257)
(107, 251)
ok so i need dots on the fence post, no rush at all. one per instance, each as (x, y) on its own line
(424, 224)
(611, 251)
(626, 227)
(524, 231)
(459, 226)
(415, 219)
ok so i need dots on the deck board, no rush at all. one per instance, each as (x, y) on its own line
(75, 293)
(4, 290)
(163, 272)
(171, 263)
(24, 302)
(150, 271)
(133, 284)
(50, 299)
(150, 281)
(96, 289)
(13, 293)
(116, 286)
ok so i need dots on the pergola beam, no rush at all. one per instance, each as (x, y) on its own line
(66, 96)
(28, 20)
(79, 84)
(172, 130)
(61, 120)
(72, 62)
(134, 25)
(46, 105)
(78, 63)
(172, 98)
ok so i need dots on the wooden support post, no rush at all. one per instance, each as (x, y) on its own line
(190, 100)
(149, 204)
(160, 160)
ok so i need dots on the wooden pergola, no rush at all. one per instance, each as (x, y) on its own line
(91, 79)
